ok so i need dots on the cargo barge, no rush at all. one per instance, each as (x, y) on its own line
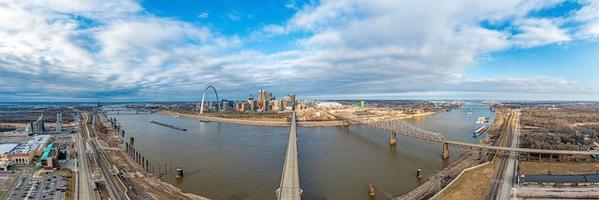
(480, 131)
(167, 125)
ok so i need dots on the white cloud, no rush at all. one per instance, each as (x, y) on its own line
(233, 16)
(361, 46)
(589, 17)
(203, 15)
(538, 32)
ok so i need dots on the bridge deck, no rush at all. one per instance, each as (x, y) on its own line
(406, 129)
(290, 186)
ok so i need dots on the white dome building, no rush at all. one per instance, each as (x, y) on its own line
(329, 105)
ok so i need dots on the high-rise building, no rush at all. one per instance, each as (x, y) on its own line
(292, 101)
(58, 122)
(38, 125)
(270, 96)
(292, 98)
(225, 105)
(261, 98)
(239, 106)
(278, 105)
(265, 105)
(252, 105)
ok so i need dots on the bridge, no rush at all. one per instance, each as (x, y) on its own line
(289, 189)
(400, 127)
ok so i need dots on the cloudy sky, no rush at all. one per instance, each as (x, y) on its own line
(126, 50)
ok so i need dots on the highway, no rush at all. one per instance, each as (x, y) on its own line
(509, 171)
(502, 183)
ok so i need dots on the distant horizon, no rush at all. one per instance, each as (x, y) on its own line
(324, 100)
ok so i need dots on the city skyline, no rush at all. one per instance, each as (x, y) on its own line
(169, 51)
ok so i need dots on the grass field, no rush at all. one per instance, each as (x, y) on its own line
(558, 167)
(473, 184)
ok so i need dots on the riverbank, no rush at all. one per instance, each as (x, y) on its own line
(476, 182)
(283, 122)
(143, 183)
(271, 123)
(469, 159)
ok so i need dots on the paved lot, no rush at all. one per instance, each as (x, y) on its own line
(50, 186)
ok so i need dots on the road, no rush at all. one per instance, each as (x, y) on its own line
(497, 181)
(289, 188)
(509, 171)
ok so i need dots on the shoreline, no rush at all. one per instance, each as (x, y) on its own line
(258, 122)
(470, 158)
(272, 123)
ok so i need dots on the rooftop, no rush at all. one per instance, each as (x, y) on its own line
(7, 147)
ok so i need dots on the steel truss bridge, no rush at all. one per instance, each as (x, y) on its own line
(400, 127)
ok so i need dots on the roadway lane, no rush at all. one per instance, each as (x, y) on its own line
(289, 188)
(505, 190)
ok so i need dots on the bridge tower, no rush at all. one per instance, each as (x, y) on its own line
(445, 153)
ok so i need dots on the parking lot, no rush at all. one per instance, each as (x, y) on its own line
(44, 187)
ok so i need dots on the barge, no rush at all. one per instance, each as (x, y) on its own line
(167, 125)
(480, 131)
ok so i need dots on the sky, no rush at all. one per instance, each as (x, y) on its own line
(150, 50)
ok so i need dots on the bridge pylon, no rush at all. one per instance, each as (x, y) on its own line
(392, 138)
(445, 153)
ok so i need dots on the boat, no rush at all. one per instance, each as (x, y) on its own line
(482, 120)
(204, 121)
(480, 131)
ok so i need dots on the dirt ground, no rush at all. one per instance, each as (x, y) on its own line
(473, 184)
(558, 167)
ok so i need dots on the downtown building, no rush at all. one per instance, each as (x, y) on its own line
(37, 127)
(58, 122)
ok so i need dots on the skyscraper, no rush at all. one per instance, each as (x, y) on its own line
(58, 122)
(261, 98)
(38, 125)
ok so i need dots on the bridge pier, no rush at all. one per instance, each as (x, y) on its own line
(445, 153)
(392, 138)
(371, 190)
(482, 156)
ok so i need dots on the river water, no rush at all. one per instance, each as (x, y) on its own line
(229, 161)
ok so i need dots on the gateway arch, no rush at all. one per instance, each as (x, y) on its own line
(204, 96)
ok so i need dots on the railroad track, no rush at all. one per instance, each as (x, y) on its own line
(498, 179)
(114, 190)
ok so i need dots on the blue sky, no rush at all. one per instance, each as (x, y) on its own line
(151, 50)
